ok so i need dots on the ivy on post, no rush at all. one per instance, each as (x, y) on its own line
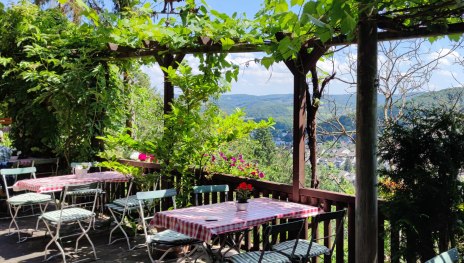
(299, 67)
(168, 60)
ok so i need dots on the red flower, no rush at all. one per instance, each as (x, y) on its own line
(243, 191)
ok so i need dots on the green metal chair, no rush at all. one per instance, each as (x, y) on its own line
(450, 256)
(167, 239)
(270, 236)
(71, 214)
(302, 250)
(15, 202)
(201, 190)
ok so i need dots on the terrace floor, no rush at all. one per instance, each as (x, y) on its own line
(32, 250)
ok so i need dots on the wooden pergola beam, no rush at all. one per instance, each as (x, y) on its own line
(152, 47)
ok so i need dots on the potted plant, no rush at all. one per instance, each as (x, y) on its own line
(243, 192)
(82, 169)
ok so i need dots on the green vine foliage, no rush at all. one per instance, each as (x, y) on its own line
(58, 94)
(424, 157)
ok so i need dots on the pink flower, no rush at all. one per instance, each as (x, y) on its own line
(261, 175)
(213, 158)
(142, 157)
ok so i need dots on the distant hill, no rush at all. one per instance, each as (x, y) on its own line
(445, 97)
(280, 106)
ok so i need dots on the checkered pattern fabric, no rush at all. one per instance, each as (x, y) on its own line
(195, 221)
(170, 237)
(29, 199)
(301, 248)
(68, 215)
(253, 257)
(57, 183)
(131, 201)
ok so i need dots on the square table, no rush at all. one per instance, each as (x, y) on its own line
(194, 221)
(57, 183)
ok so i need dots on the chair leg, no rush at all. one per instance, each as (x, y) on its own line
(42, 210)
(13, 221)
(119, 226)
(84, 233)
(54, 239)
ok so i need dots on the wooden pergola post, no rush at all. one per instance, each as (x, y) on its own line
(366, 233)
(168, 60)
(299, 67)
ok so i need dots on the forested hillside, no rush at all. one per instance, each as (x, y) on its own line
(280, 106)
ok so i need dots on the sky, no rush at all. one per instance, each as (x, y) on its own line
(254, 79)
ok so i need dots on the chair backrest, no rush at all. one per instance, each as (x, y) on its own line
(339, 217)
(206, 191)
(53, 162)
(274, 232)
(90, 190)
(150, 197)
(450, 256)
(10, 176)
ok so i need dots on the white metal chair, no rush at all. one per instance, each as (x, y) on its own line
(166, 240)
(15, 202)
(72, 214)
(120, 209)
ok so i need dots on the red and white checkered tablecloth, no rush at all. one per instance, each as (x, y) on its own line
(193, 222)
(57, 183)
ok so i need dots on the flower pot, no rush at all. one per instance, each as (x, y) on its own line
(241, 206)
(81, 173)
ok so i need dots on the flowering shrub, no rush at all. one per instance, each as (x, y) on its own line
(234, 164)
(243, 192)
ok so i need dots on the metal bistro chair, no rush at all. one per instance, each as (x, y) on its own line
(203, 191)
(450, 256)
(102, 193)
(120, 209)
(304, 250)
(15, 202)
(167, 239)
(270, 236)
(52, 162)
(70, 214)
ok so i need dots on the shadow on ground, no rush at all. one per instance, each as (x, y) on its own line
(32, 250)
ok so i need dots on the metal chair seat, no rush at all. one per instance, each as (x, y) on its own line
(119, 208)
(130, 201)
(170, 237)
(68, 215)
(29, 199)
(253, 257)
(286, 248)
